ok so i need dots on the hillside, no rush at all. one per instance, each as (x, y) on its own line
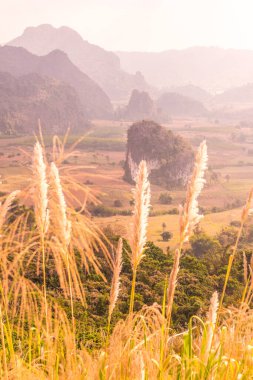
(169, 104)
(26, 99)
(193, 92)
(18, 61)
(100, 65)
(140, 106)
(173, 104)
(214, 69)
(242, 94)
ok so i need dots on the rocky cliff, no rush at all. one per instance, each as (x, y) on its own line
(169, 157)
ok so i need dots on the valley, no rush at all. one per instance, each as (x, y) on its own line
(98, 162)
(126, 190)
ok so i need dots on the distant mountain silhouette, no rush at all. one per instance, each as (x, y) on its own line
(140, 106)
(100, 65)
(193, 92)
(18, 61)
(169, 104)
(172, 104)
(26, 99)
(242, 94)
(214, 69)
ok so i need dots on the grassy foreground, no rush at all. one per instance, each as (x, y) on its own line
(38, 340)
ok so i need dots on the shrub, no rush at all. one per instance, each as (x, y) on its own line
(173, 211)
(202, 244)
(165, 199)
(101, 210)
(117, 203)
(166, 235)
(235, 223)
(131, 202)
(88, 182)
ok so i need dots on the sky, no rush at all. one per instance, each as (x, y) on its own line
(137, 25)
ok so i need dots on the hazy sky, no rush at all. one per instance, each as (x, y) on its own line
(144, 25)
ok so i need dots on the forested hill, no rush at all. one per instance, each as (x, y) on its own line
(18, 61)
(26, 99)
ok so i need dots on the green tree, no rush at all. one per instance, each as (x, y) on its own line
(166, 235)
(165, 198)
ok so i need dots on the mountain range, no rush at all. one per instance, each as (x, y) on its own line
(214, 69)
(74, 73)
(168, 105)
(100, 65)
(192, 72)
(18, 61)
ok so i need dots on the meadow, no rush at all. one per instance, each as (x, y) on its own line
(98, 161)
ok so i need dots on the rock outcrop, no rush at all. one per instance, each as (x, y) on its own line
(169, 157)
(140, 106)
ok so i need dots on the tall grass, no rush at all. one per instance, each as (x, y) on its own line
(138, 236)
(38, 340)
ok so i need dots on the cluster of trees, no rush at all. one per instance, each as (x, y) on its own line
(203, 269)
(165, 198)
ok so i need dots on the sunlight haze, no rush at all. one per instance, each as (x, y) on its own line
(151, 25)
(126, 189)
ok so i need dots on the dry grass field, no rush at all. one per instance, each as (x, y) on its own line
(40, 340)
(98, 164)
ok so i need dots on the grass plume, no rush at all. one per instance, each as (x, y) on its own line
(189, 218)
(189, 214)
(140, 221)
(115, 286)
(40, 194)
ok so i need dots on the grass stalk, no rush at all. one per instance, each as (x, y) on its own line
(71, 293)
(132, 294)
(3, 346)
(44, 280)
(246, 211)
(163, 330)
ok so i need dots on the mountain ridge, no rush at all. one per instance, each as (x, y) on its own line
(99, 64)
(26, 99)
(18, 61)
(211, 68)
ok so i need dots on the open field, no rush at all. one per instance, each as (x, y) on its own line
(212, 223)
(98, 163)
